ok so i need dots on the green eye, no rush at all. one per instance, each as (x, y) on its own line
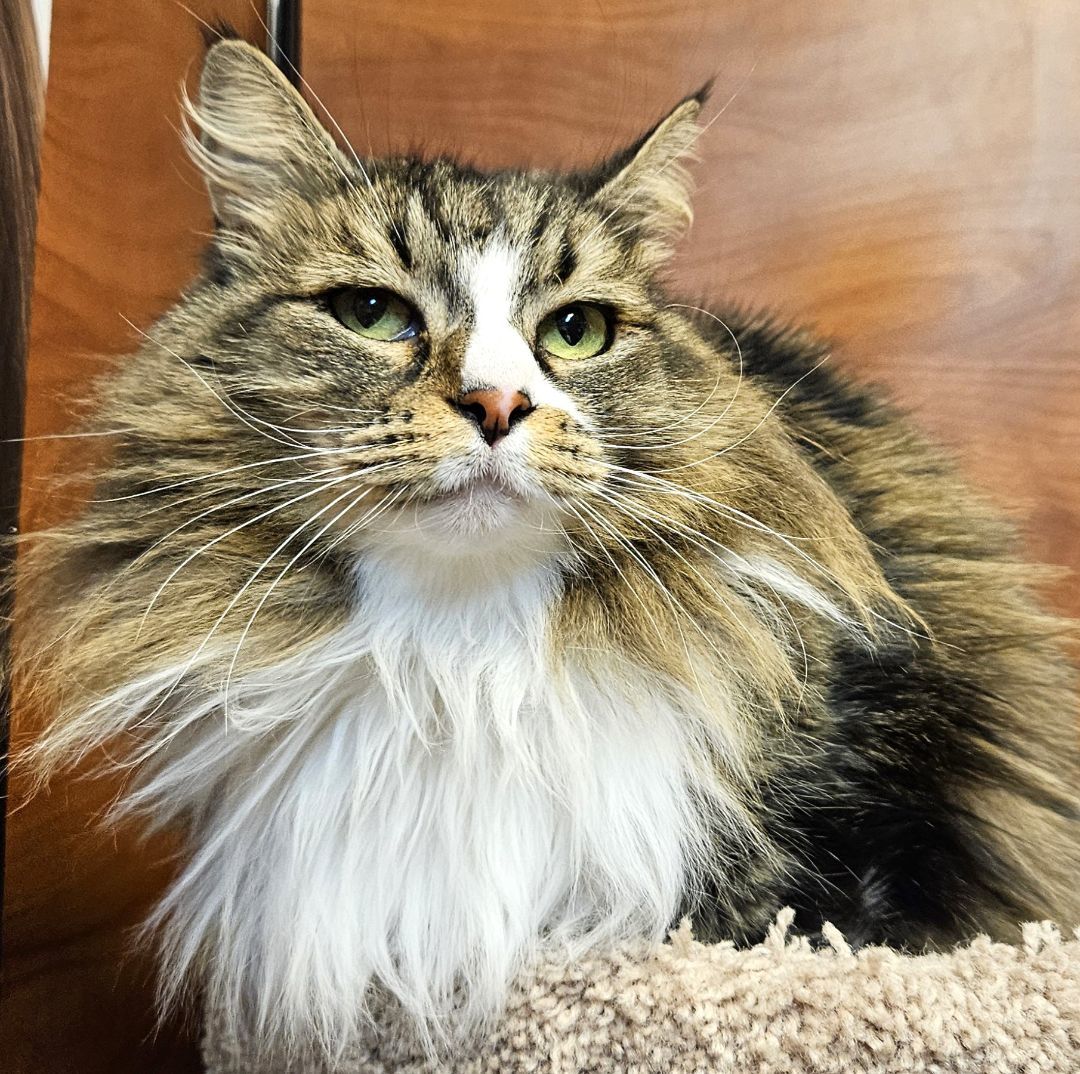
(376, 314)
(579, 330)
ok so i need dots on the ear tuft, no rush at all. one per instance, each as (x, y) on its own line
(649, 180)
(218, 30)
(704, 93)
(257, 137)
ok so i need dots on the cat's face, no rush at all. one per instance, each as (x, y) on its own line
(486, 344)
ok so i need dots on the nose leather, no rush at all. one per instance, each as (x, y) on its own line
(495, 410)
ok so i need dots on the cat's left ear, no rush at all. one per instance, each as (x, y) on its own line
(649, 180)
(257, 138)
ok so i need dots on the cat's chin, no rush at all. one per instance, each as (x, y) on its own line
(485, 523)
(481, 508)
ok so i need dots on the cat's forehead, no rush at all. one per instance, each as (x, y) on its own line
(468, 233)
(467, 204)
(444, 205)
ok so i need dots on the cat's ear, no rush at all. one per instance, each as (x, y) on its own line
(256, 136)
(649, 180)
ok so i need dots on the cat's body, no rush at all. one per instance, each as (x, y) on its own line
(907, 772)
(448, 640)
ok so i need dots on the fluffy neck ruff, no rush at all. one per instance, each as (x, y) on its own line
(422, 799)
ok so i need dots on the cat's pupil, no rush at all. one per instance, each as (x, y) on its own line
(370, 308)
(572, 325)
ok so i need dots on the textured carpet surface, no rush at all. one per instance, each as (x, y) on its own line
(778, 1008)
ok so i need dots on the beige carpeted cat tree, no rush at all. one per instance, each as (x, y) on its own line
(778, 1008)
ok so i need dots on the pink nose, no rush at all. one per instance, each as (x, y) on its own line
(495, 410)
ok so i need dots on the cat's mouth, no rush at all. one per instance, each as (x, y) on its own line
(483, 479)
(473, 506)
(485, 488)
(472, 511)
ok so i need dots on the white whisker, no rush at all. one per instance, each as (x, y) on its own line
(746, 436)
(356, 498)
(330, 482)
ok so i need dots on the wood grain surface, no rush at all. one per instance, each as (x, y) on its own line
(904, 176)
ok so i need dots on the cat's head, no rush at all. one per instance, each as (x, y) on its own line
(486, 343)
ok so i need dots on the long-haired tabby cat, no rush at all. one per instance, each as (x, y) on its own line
(462, 596)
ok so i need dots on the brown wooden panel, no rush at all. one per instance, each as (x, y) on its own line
(120, 217)
(905, 176)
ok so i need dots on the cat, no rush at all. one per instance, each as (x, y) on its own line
(461, 597)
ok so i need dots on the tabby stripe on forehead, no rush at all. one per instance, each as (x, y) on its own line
(540, 224)
(567, 259)
(396, 234)
(431, 198)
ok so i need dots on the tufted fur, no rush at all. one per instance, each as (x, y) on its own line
(710, 631)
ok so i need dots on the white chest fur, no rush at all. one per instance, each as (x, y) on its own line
(420, 799)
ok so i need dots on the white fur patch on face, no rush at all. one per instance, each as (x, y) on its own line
(498, 355)
(478, 533)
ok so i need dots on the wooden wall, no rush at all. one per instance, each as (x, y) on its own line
(906, 176)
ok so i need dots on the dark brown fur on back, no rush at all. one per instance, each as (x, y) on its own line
(933, 795)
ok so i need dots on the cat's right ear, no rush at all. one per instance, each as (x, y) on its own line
(255, 137)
